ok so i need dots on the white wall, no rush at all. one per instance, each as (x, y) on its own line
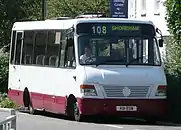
(157, 16)
(152, 13)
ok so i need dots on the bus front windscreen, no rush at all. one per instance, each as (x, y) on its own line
(117, 44)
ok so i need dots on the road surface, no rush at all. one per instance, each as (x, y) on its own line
(48, 121)
(3, 115)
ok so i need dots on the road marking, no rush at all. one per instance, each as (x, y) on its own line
(22, 113)
(168, 123)
(114, 126)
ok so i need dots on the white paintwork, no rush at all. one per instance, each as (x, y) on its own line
(51, 81)
(65, 24)
(60, 82)
(126, 76)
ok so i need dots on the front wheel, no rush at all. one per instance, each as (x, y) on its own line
(77, 115)
(31, 109)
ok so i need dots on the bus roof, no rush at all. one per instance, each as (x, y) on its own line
(68, 23)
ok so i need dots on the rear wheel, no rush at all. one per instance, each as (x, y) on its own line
(27, 101)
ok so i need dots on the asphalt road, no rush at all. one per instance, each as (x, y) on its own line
(3, 115)
(47, 121)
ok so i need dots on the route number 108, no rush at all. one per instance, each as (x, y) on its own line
(99, 29)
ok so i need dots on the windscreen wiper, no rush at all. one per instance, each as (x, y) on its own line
(108, 60)
(134, 60)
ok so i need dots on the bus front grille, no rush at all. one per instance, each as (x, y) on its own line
(126, 91)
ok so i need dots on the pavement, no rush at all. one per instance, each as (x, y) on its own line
(48, 121)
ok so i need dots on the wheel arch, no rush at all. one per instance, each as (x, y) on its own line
(26, 97)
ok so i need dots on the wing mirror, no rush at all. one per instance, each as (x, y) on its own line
(160, 41)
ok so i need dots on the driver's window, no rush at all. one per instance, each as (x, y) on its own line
(118, 50)
(104, 51)
(102, 48)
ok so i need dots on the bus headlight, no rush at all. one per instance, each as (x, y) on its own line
(88, 90)
(161, 91)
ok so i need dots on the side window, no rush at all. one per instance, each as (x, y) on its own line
(13, 37)
(39, 48)
(70, 54)
(53, 47)
(27, 52)
(19, 36)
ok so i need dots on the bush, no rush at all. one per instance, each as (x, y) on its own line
(5, 102)
(4, 61)
(173, 64)
(174, 98)
(173, 74)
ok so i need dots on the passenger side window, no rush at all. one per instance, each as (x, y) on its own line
(19, 36)
(43, 48)
(53, 47)
(27, 53)
(39, 48)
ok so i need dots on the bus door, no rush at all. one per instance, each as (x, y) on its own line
(15, 68)
(17, 58)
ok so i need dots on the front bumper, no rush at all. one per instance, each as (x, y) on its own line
(154, 108)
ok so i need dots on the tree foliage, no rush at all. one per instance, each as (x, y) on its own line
(173, 18)
(173, 65)
(72, 8)
(4, 59)
(16, 10)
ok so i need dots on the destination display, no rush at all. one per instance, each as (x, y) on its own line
(128, 29)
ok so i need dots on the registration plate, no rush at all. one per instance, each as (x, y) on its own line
(126, 108)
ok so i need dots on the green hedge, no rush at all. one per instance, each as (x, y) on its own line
(174, 98)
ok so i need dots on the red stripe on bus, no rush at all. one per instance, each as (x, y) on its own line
(155, 108)
(51, 103)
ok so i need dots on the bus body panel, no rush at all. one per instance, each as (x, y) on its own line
(110, 82)
(146, 108)
(147, 77)
(48, 86)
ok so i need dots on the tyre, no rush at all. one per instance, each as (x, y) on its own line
(77, 115)
(31, 109)
(27, 102)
